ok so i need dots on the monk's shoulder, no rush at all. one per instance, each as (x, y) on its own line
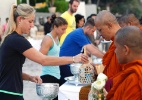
(132, 78)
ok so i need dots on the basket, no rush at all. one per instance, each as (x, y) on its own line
(86, 72)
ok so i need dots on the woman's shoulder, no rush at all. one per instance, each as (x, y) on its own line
(47, 40)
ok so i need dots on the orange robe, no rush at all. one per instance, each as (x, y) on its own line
(127, 85)
(112, 67)
(141, 27)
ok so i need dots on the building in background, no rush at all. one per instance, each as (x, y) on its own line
(5, 9)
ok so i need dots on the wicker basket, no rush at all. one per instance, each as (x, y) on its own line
(86, 72)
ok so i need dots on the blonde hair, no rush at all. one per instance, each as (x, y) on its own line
(23, 10)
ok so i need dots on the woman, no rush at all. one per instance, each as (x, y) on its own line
(50, 46)
(15, 48)
(79, 20)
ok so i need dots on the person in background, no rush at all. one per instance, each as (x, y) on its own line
(92, 16)
(79, 20)
(122, 21)
(107, 26)
(132, 20)
(94, 37)
(126, 85)
(74, 43)
(1, 32)
(33, 31)
(129, 20)
(47, 26)
(69, 17)
(5, 25)
(15, 48)
(50, 46)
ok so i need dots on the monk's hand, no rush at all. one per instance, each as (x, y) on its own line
(81, 58)
(35, 79)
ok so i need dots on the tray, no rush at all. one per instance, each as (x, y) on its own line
(71, 80)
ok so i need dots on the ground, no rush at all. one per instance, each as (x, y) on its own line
(31, 68)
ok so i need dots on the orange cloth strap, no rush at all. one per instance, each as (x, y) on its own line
(108, 55)
(141, 27)
(112, 67)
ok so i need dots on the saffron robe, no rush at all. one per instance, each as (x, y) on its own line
(127, 85)
(140, 27)
(112, 67)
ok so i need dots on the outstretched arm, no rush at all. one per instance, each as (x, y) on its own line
(44, 60)
(94, 50)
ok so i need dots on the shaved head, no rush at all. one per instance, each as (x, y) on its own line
(122, 21)
(130, 36)
(132, 20)
(104, 17)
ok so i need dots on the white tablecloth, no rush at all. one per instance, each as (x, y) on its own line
(69, 92)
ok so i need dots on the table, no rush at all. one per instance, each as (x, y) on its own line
(69, 92)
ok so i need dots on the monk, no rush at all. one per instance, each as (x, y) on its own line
(107, 26)
(127, 85)
(122, 21)
(129, 20)
(132, 20)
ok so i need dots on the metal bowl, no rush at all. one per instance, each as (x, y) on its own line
(75, 68)
(47, 90)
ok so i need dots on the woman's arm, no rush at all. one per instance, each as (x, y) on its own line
(35, 79)
(44, 60)
(46, 45)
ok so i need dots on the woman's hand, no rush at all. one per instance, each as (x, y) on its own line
(80, 58)
(35, 79)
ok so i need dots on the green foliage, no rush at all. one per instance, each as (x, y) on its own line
(23, 1)
(129, 6)
(123, 6)
(32, 2)
(45, 9)
(18, 2)
(40, 1)
(61, 5)
(50, 3)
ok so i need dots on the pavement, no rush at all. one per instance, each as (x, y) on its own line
(32, 68)
(29, 90)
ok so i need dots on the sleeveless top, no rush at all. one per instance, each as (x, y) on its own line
(53, 51)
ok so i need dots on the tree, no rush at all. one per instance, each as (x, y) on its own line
(122, 6)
